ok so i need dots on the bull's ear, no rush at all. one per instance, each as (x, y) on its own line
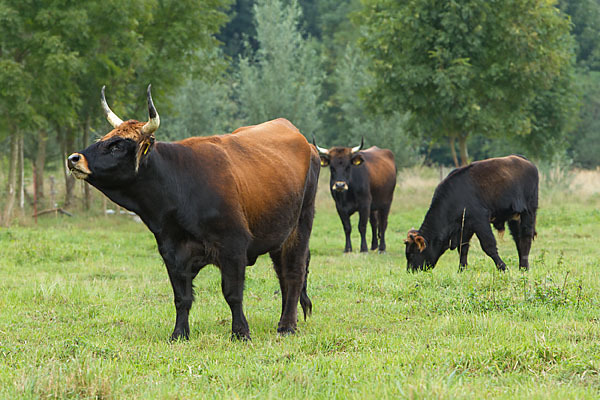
(357, 159)
(420, 242)
(324, 160)
(145, 146)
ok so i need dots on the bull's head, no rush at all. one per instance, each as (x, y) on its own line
(116, 158)
(416, 251)
(341, 160)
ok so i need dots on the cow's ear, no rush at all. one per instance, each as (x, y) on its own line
(324, 160)
(357, 159)
(420, 242)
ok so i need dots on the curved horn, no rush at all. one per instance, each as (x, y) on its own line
(320, 149)
(357, 148)
(154, 120)
(110, 116)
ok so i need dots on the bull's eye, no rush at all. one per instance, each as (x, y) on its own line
(117, 148)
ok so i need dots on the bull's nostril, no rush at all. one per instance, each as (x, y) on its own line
(74, 158)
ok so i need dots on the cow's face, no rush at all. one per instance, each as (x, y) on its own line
(114, 160)
(341, 161)
(417, 252)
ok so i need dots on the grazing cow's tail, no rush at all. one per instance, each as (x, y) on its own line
(304, 300)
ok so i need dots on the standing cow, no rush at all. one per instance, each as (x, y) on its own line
(362, 181)
(495, 191)
(221, 200)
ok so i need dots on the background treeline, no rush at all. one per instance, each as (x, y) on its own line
(435, 81)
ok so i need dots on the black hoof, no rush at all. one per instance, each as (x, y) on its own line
(242, 337)
(179, 336)
(286, 331)
(462, 268)
(501, 267)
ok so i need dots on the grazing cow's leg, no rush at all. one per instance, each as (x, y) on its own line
(233, 271)
(383, 221)
(488, 242)
(363, 216)
(374, 235)
(515, 226)
(345, 217)
(463, 249)
(526, 234)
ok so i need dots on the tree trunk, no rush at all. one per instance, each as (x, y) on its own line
(451, 140)
(67, 148)
(12, 180)
(462, 145)
(40, 161)
(87, 193)
(21, 174)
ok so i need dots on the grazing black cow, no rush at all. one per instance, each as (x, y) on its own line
(221, 200)
(362, 181)
(495, 191)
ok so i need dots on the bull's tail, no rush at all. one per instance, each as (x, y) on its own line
(304, 299)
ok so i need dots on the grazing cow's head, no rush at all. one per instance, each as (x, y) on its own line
(340, 160)
(115, 159)
(417, 252)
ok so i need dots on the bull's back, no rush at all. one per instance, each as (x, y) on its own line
(512, 179)
(270, 164)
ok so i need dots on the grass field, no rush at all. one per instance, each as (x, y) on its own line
(86, 310)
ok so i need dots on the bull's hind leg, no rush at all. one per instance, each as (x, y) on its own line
(515, 227)
(488, 243)
(293, 270)
(233, 270)
(526, 234)
(374, 235)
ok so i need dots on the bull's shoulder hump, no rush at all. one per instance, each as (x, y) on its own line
(275, 124)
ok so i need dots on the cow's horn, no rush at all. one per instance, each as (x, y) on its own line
(154, 120)
(110, 116)
(357, 148)
(320, 149)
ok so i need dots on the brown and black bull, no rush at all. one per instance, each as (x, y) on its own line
(467, 201)
(221, 200)
(363, 181)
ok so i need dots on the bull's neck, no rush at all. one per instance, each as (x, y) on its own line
(146, 194)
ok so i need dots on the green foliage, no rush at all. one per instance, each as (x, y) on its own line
(202, 107)
(465, 67)
(585, 140)
(354, 122)
(585, 15)
(283, 78)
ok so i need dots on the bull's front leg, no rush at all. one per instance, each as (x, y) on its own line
(345, 218)
(183, 294)
(363, 214)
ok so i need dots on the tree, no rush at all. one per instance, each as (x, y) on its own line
(284, 76)
(355, 122)
(585, 138)
(466, 67)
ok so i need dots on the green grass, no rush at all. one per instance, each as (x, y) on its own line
(86, 310)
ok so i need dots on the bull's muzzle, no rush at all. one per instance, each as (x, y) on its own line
(78, 165)
(340, 186)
